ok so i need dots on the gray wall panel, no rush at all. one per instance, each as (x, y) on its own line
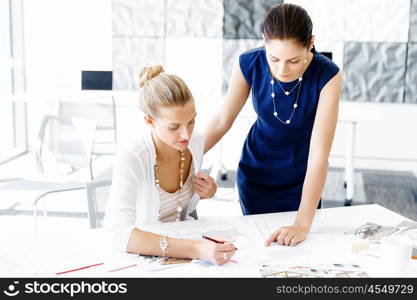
(413, 21)
(242, 18)
(411, 75)
(131, 54)
(140, 18)
(374, 72)
(371, 50)
(204, 18)
(231, 51)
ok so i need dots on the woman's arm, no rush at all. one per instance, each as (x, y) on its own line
(120, 219)
(235, 99)
(320, 146)
(142, 242)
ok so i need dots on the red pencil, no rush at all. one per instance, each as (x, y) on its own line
(78, 269)
(122, 268)
(213, 240)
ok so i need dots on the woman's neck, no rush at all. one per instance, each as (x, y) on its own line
(163, 151)
(309, 58)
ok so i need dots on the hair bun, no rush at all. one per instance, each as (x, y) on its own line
(149, 72)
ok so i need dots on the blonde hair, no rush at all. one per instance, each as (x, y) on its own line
(159, 89)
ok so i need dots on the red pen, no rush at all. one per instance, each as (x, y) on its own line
(213, 240)
(78, 269)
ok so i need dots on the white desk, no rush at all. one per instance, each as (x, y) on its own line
(122, 98)
(45, 256)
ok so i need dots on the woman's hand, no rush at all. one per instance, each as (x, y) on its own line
(288, 235)
(204, 185)
(217, 253)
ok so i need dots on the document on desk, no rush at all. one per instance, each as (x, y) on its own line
(336, 270)
(238, 232)
(323, 241)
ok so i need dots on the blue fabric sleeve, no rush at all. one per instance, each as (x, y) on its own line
(327, 73)
(246, 62)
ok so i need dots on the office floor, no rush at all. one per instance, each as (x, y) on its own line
(67, 211)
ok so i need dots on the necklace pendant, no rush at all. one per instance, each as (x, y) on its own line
(287, 122)
(273, 95)
(295, 105)
(286, 93)
(272, 81)
(275, 113)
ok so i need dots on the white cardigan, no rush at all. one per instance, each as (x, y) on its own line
(134, 199)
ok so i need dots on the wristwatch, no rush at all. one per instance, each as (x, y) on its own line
(164, 245)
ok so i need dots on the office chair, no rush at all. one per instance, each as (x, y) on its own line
(100, 109)
(97, 194)
(63, 159)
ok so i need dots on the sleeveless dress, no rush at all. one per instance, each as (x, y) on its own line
(273, 163)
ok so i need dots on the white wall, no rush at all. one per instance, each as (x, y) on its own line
(6, 137)
(63, 37)
(5, 48)
(386, 135)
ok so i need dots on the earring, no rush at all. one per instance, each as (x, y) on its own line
(305, 60)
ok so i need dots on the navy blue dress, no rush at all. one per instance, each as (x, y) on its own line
(274, 158)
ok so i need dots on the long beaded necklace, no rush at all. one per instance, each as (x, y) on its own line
(286, 93)
(182, 163)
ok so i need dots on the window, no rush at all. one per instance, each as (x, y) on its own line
(12, 115)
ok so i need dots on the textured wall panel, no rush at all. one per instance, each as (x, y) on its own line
(413, 21)
(348, 28)
(336, 48)
(231, 51)
(198, 61)
(139, 18)
(374, 72)
(411, 75)
(198, 18)
(131, 54)
(327, 17)
(242, 18)
(377, 20)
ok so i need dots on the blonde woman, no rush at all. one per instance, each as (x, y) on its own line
(157, 179)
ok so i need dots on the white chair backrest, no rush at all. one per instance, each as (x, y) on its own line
(65, 145)
(101, 109)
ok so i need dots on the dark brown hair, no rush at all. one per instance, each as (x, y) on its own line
(288, 21)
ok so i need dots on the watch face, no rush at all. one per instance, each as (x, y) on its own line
(163, 244)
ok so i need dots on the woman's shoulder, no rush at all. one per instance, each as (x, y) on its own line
(251, 63)
(325, 64)
(324, 68)
(136, 148)
(252, 54)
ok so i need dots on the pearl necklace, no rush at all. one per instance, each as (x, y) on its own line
(182, 163)
(287, 93)
(295, 105)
